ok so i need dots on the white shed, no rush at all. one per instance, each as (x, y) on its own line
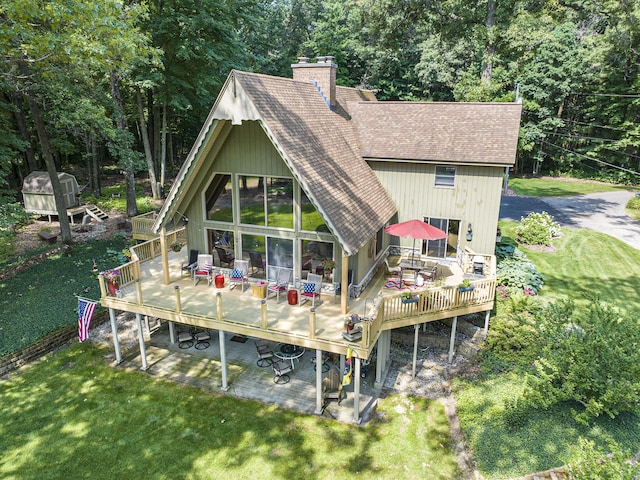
(37, 193)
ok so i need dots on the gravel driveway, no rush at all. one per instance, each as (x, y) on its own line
(602, 211)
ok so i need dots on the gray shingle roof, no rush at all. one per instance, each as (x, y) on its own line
(485, 133)
(321, 149)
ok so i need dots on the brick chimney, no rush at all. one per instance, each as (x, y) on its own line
(322, 74)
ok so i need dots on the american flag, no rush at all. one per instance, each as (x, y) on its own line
(85, 313)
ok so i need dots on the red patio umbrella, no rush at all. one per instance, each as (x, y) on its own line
(416, 229)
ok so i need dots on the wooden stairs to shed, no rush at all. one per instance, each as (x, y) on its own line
(96, 213)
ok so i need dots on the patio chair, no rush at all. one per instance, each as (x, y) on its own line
(392, 270)
(311, 288)
(204, 269)
(239, 274)
(202, 339)
(191, 262)
(256, 262)
(265, 354)
(280, 283)
(281, 371)
(185, 339)
(224, 256)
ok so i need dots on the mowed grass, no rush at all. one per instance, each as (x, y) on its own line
(585, 263)
(556, 187)
(72, 416)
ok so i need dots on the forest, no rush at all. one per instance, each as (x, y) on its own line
(122, 87)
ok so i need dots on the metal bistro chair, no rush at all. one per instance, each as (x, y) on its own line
(281, 372)
(265, 354)
(392, 270)
(239, 274)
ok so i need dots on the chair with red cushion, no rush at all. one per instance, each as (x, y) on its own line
(204, 269)
(311, 288)
(279, 280)
(239, 274)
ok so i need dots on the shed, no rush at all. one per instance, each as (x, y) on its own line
(37, 193)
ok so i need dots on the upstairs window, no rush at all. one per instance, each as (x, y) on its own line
(445, 176)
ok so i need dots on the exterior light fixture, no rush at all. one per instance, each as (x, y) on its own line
(469, 233)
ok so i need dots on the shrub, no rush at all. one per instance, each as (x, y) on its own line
(590, 358)
(634, 203)
(517, 273)
(594, 463)
(537, 229)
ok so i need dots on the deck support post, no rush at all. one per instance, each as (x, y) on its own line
(384, 343)
(114, 332)
(356, 391)
(219, 306)
(344, 281)
(454, 325)
(143, 351)
(172, 332)
(223, 360)
(318, 382)
(486, 322)
(416, 329)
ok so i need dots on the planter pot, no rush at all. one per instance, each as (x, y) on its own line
(468, 289)
(219, 279)
(409, 300)
(113, 287)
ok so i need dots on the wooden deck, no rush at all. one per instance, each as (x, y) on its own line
(144, 291)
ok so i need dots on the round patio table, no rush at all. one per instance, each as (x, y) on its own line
(286, 351)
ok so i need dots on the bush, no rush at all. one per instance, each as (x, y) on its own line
(518, 274)
(594, 463)
(537, 229)
(634, 203)
(590, 358)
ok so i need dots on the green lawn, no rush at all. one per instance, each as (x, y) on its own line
(585, 263)
(72, 416)
(544, 187)
(42, 298)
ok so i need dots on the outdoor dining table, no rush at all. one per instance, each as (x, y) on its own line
(286, 351)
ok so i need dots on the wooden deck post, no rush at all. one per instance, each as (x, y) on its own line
(344, 289)
(452, 342)
(114, 333)
(143, 351)
(165, 256)
(138, 292)
(219, 306)
(312, 324)
(263, 314)
(178, 302)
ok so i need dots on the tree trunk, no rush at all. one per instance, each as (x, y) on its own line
(163, 145)
(65, 229)
(30, 157)
(125, 163)
(144, 133)
(489, 51)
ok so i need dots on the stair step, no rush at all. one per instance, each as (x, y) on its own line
(96, 213)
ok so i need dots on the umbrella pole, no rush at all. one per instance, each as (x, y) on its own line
(412, 250)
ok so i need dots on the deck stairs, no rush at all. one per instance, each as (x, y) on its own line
(96, 213)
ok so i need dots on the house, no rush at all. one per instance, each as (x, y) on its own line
(300, 171)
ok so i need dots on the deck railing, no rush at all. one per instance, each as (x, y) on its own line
(142, 225)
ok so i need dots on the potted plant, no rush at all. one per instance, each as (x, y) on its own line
(112, 276)
(127, 254)
(176, 246)
(328, 265)
(408, 297)
(465, 286)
